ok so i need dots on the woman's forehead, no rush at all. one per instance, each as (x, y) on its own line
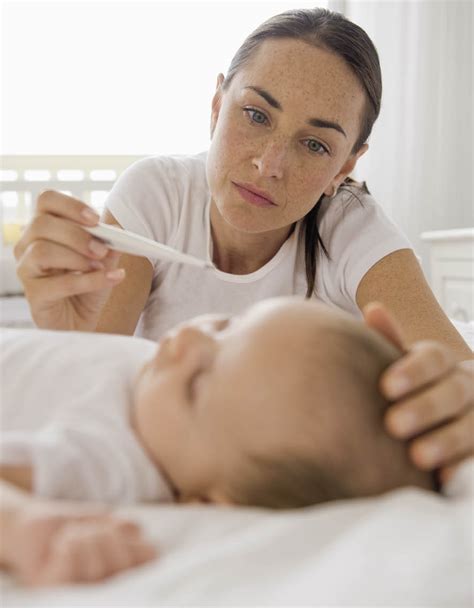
(299, 75)
(305, 60)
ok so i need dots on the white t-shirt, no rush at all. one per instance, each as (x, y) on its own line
(65, 411)
(166, 198)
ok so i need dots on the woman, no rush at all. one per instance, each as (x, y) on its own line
(272, 204)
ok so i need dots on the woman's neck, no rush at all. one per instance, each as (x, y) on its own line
(237, 252)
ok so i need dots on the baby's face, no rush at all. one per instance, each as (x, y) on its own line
(219, 387)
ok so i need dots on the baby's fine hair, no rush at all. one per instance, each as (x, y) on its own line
(354, 456)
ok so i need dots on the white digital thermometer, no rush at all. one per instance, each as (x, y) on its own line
(129, 242)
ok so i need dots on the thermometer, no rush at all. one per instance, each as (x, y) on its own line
(129, 242)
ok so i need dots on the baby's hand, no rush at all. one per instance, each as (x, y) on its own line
(53, 544)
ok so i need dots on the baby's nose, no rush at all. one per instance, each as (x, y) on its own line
(189, 338)
(211, 322)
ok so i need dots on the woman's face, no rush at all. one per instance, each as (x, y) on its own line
(270, 130)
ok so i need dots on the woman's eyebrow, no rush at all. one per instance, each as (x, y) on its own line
(314, 122)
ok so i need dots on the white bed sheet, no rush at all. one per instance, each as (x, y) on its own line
(407, 548)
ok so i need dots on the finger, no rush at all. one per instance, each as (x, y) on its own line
(128, 528)
(124, 546)
(141, 552)
(42, 257)
(62, 231)
(377, 317)
(92, 564)
(425, 362)
(439, 403)
(45, 258)
(115, 538)
(446, 445)
(111, 260)
(63, 205)
(61, 563)
(52, 289)
(77, 554)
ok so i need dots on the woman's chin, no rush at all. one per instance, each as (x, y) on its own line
(245, 221)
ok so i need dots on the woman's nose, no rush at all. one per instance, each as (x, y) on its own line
(270, 162)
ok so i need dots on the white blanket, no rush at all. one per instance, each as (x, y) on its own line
(407, 548)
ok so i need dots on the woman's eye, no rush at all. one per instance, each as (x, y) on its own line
(315, 146)
(255, 116)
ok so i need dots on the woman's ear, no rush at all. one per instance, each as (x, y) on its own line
(216, 103)
(346, 169)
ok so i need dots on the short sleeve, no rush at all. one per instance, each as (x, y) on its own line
(85, 463)
(357, 234)
(144, 199)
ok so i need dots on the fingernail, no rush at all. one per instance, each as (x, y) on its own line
(97, 248)
(90, 215)
(116, 274)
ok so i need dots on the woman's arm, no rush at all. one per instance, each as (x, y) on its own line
(398, 282)
(19, 476)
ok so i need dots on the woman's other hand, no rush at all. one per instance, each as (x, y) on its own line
(433, 395)
(65, 271)
(59, 544)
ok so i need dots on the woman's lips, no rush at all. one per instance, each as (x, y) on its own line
(252, 198)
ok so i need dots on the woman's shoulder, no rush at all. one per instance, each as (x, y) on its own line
(152, 194)
(170, 166)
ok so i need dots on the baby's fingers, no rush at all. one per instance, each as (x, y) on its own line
(426, 362)
(122, 547)
(92, 550)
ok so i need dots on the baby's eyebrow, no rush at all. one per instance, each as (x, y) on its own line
(313, 122)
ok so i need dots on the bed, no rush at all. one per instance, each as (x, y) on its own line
(406, 548)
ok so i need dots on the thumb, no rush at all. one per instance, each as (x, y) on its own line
(111, 260)
(378, 318)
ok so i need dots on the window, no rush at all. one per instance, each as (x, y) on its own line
(90, 86)
(109, 78)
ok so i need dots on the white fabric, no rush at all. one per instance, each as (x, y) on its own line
(408, 548)
(65, 400)
(167, 199)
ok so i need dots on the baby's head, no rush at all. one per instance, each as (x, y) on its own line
(278, 407)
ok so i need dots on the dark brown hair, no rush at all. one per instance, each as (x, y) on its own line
(333, 32)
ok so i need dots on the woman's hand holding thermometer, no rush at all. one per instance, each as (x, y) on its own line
(68, 262)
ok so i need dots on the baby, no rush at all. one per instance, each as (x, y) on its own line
(276, 408)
